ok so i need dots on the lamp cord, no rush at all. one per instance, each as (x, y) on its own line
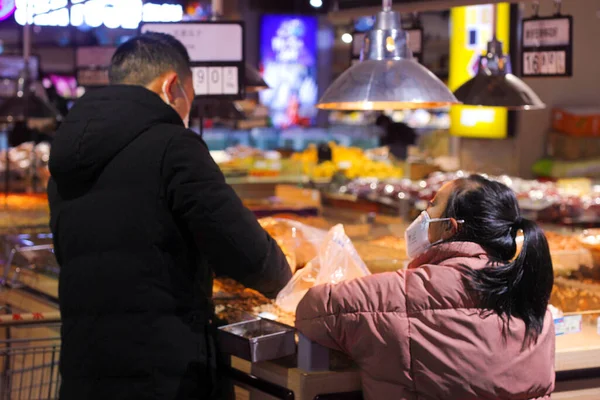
(494, 21)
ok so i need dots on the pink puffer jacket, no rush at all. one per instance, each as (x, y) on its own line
(418, 334)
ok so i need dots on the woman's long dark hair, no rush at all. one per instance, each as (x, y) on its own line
(511, 287)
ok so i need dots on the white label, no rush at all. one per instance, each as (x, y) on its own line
(568, 325)
(215, 80)
(546, 32)
(200, 76)
(544, 63)
(472, 117)
(230, 80)
(206, 42)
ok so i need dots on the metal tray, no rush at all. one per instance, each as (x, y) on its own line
(257, 340)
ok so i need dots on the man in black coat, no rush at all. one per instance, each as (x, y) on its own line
(142, 218)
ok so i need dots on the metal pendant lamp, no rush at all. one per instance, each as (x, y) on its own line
(495, 86)
(254, 82)
(387, 78)
(25, 104)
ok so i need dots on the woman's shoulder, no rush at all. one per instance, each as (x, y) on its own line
(441, 285)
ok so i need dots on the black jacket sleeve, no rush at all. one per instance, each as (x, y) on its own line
(224, 230)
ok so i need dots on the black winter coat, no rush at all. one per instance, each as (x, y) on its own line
(142, 217)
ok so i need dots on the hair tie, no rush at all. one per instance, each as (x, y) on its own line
(518, 224)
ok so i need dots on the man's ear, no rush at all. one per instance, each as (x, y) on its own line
(169, 87)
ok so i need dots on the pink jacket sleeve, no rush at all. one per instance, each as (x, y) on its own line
(338, 316)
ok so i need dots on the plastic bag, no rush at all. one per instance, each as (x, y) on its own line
(337, 260)
(300, 243)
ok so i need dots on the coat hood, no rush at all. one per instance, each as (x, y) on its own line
(452, 250)
(99, 126)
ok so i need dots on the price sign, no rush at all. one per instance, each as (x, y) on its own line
(547, 45)
(545, 63)
(200, 76)
(215, 80)
(216, 50)
(568, 325)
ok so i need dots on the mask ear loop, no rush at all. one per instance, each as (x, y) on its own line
(458, 222)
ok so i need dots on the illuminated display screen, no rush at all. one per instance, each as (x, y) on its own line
(288, 47)
(471, 31)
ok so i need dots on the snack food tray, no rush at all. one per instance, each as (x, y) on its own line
(257, 340)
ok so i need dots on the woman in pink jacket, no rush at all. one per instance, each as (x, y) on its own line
(466, 320)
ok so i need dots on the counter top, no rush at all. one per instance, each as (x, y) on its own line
(578, 351)
(573, 352)
(291, 179)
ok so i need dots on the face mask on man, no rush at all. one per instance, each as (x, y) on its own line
(186, 119)
(417, 235)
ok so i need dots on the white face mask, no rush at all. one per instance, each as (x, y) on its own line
(417, 235)
(186, 119)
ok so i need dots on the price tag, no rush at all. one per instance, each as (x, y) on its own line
(545, 63)
(215, 80)
(206, 42)
(216, 52)
(568, 325)
(547, 47)
(200, 77)
(230, 80)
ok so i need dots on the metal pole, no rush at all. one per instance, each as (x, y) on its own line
(217, 9)
(494, 21)
(387, 5)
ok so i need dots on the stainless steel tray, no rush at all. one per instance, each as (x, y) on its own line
(257, 340)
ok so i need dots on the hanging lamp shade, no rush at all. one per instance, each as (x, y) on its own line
(495, 86)
(254, 82)
(19, 109)
(217, 109)
(387, 78)
(26, 105)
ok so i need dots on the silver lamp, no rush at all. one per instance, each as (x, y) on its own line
(387, 78)
(254, 82)
(494, 85)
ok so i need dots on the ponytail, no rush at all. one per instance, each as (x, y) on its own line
(520, 288)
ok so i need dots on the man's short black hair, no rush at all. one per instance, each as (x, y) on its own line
(143, 58)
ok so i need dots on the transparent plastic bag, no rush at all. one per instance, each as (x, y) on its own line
(337, 260)
(299, 242)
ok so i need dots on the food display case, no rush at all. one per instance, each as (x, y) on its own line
(378, 240)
